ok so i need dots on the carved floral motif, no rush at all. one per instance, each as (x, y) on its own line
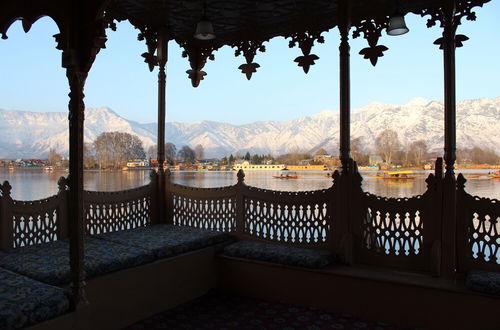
(305, 41)
(372, 31)
(249, 49)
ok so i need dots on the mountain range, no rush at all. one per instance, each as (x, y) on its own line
(32, 134)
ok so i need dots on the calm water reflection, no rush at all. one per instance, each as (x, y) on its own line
(29, 184)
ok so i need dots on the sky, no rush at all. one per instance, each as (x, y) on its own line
(31, 77)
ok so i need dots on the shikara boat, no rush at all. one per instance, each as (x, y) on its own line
(396, 175)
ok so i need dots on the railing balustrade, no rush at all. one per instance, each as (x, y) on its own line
(390, 232)
(478, 232)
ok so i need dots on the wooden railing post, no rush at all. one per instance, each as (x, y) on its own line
(434, 216)
(154, 207)
(62, 209)
(6, 224)
(240, 204)
(461, 223)
(169, 198)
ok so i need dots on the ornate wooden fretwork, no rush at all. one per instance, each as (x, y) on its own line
(114, 211)
(150, 36)
(462, 9)
(305, 41)
(393, 230)
(197, 55)
(205, 208)
(372, 31)
(297, 218)
(478, 230)
(249, 49)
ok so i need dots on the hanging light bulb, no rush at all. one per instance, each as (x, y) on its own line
(397, 25)
(204, 28)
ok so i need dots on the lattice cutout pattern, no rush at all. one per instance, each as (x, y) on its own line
(484, 237)
(103, 218)
(31, 229)
(393, 233)
(291, 223)
(213, 214)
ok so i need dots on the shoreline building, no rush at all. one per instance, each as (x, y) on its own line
(246, 166)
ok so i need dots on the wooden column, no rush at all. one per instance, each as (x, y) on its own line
(345, 84)
(162, 55)
(341, 200)
(76, 80)
(449, 189)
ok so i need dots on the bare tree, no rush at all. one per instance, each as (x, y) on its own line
(54, 158)
(387, 144)
(152, 151)
(89, 160)
(199, 152)
(170, 152)
(358, 153)
(187, 154)
(418, 151)
(116, 148)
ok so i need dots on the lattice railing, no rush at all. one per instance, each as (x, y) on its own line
(25, 223)
(205, 208)
(298, 218)
(118, 210)
(393, 226)
(478, 230)
(398, 232)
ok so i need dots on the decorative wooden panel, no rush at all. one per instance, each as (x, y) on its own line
(205, 208)
(478, 230)
(299, 218)
(393, 232)
(118, 210)
(35, 222)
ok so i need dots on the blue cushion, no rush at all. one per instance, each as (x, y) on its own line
(166, 240)
(483, 281)
(280, 254)
(24, 301)
(49, 262)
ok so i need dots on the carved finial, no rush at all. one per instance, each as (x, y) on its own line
(335, 176)
(461, 181)
(430, 180)
(241, 176)
(5, 188)
(153, 176)
(62, 183)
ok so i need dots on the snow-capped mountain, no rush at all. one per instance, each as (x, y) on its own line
(33, 134)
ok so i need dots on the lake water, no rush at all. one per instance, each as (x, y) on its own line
(30, 184)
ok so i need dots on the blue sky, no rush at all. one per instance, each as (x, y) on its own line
(32, 79)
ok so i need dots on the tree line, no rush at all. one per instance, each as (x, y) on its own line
(115, 149)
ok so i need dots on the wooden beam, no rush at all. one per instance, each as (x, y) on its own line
(345, 87)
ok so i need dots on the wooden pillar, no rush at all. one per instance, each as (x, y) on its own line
(76, 80)
(162, 55)
(341, 200)
(345, 84)
(449, 190)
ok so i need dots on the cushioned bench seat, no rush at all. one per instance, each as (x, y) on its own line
(483, 281)
(24, 301)
(280, 254)
(49, 262)
(166, 240)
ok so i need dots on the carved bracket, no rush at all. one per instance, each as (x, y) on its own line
(150, 35)
(306, 40)
(197, 56)
(249, 49)
(462, 9)
(372, 31)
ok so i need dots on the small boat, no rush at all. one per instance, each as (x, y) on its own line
(48, 168)
(495, 175)
(286, 176)
(396, 175)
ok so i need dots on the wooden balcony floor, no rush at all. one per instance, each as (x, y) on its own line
(221, 311)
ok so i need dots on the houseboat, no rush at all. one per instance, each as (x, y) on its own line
(396, 175)
(246, 166)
